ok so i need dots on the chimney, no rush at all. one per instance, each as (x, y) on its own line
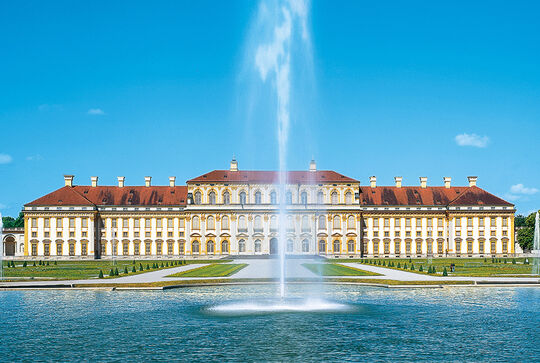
(234, 165)
(147, 180)
(312, 165)
(398, 180)
(68, 180)
(94, 181)
(373, 181)
(172, 180)
(472, 180)
(121, 181)
(423, 181)
(447, 181)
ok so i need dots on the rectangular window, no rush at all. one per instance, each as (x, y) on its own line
(147, 223)
(85, 223)
(505, 233)
(397, 233)
(124, 234)
(34, 234)
(181, 223)
(376, 222)
(147, 234)
(397, 223)
(376, 234)
(158, 248)
(458, 233)
(493, 233)
(59, 234)
(58, 222)
(418, 222)
(137, 223)
(418, 248)
(481, 246)
(158, 223)
(46, 234)
(114, 222)
(84, 234)
(481, 233)
(440, 234)
(84, 249)
(505, 222)
(169, 234)
(481, 222)
(33, 222)
(469, 222)
(46, 221)
(493, 222)
(458, 222)
(136, 247)
(458, 246)
(159, 234)
(147, 248)
(181, 234)
(72, 223)
(418, 234)
(407, 233)
(505, 246)
(125, 223)
(430, 222)
(407, 222)
(59, 249)
(429, 233)
(136, 234)
(170, 223)
(469, 246)
(387, 234)
(34, 249)
(72, 234)
(169, 248)
(469, 233)
(387, 222)
(47, 249)
(408, 247)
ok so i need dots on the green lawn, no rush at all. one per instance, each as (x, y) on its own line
(213, 270)
(87, 269)
(331, 269)
(478, 267)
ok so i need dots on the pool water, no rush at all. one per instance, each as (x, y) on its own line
(450, 324)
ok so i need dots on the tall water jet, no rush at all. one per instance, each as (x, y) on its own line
(274, 59)
(536, 246)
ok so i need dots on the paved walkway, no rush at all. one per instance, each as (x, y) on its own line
(269, 268)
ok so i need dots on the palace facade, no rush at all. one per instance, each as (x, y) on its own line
(236, 212)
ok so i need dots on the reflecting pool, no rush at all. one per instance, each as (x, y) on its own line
(360, 323)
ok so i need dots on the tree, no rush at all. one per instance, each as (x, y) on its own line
(445, 273)
(525, 235)
(10, 222)
(100, 274)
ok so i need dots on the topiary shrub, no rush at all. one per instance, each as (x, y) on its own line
(485, 260)
(34, 263)
(133, 269)
(405, 266)
(111, 273)
(125, 270)
(147, 266)
(116, 272)
(429, 270)
(410, 260)
(505, 260)
(513, 261)
(24, 264)
(398, 265)
(421, 269)
(384, 263)
(100, 274)
(412, 267)
(433, 270)
(47, 263)
(162, 265)
(140, 267)
(167, 264)
(445, 273)
(55, 263)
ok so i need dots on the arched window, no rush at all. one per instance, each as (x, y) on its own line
(273, 223)
(322, 222)
(288, 198)
(290, 223)
(241, 246)
(210, 247)
(350, 246)
(225, 222)
(257, 245)
(290, 246)
(195, 223)
(303, 198)
(181, 248)
(226, 198)
(210, 224)
(337, 222)
(198, 197)
(305, 224)
(350, 222)
(225, 247)
(320, 197)
(195, 247)
(337, 246)
(258, 197)
(242, 197)
(242, 226)
(212, 197)
(273, 197)
(305, 245)
(322, 246)
(257, 223)
(348, 198)
(334, 197)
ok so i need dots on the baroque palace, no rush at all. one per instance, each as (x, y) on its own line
(235, 212)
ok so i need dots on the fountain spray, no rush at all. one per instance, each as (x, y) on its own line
(536, 246)
(274, 58)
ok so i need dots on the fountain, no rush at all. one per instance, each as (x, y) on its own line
(536, 246)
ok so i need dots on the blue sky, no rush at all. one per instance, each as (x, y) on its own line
(169, 88)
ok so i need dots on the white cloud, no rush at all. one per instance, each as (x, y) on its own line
(96, 111)
(5, 159)
(511, 197)
(521, 189)
(472, 140)
(36, 157)
(3, 206)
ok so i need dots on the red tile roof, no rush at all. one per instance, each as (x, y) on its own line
(113, 195)
(270, 177)
(418, 196)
